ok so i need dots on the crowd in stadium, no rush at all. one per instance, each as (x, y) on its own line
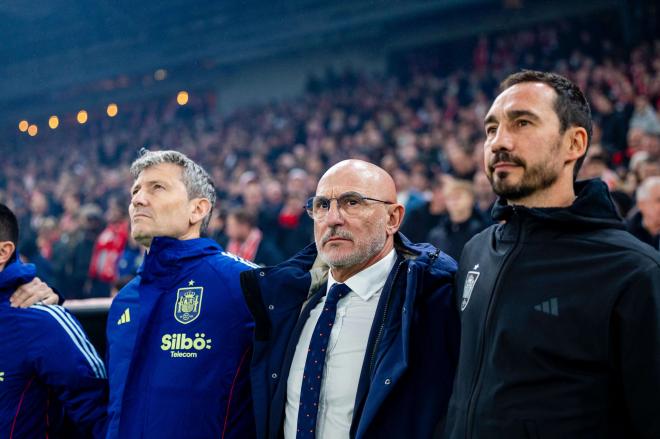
(425, 127)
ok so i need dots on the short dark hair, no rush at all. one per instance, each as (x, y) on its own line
(243, 216)
(8, 225)
(571, 105)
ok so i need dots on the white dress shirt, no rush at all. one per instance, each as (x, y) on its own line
(344, 356)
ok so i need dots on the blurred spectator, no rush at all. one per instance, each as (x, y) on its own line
(75, 254)
(408, 195)
(216, 227)
(645, 224)
(130, 260)
(295, 228)
(272, 205)
(483, 194)
(108, 248)
(68, 219)
(47, 235)
(29, 253)
(644, 117)
(247, 240)
(418, 221)
(38, 211)
(462, 222)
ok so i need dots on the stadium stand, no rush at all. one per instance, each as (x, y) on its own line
(422, 122)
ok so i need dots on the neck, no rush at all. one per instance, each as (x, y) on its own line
(342, 274)
(191, 234)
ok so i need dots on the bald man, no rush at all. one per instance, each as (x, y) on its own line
(356, 335)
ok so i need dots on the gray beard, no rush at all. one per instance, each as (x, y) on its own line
(358, 257)
(363, 253)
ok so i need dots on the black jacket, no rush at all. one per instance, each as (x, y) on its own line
(451, 237)
(560, 326)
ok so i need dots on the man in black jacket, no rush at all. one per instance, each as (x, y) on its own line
(560, 306)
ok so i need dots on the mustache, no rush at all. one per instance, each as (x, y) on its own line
(335, 233)
(140, 212)
(504, 156)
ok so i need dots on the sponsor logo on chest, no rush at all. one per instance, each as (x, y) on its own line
(187, 308)
(180, 345)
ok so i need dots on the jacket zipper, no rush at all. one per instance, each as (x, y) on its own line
(382, 323)
(479, 371)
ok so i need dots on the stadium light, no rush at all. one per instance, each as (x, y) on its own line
(112, 110)
(23, 126)
(82, 117)
(32, 130)
(53, 122)
(160, 74)
(182, 97)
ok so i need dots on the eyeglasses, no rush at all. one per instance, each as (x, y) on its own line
(350, 204)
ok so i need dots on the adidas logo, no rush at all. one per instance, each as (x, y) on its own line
(2, 376)
(549, 307)
(125, 317)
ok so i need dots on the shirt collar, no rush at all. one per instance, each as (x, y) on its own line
(369, 281)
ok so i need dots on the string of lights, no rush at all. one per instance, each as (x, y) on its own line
(112, 110)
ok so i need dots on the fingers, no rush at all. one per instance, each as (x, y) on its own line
(32, 292)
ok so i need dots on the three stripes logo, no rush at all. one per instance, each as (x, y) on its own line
(550, 307)
(125, 317)
(77, 337)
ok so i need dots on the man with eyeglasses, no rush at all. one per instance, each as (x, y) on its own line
(356, 335)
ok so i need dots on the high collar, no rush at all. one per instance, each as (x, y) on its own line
(168, 255)
(308, 262)
(15, 274)
(592, 208)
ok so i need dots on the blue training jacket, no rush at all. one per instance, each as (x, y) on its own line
(412, 351)
(179, 346)
(48, 368)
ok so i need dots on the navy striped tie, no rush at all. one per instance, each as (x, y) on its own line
(313, 372)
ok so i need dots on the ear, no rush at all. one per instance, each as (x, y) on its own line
(395, 218)
(7, 249)
(199, 208)
(578, 139)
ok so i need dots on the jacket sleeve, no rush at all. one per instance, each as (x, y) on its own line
(636, 332)
(66, 361)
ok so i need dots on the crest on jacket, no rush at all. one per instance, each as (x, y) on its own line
(470, 280)
(188, 304)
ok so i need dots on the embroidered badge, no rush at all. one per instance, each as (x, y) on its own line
(188, 304)
(470, 280)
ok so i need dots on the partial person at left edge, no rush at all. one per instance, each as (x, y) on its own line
(49, 370)
(179, 334)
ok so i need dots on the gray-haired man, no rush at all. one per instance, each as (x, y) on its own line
(179, 334)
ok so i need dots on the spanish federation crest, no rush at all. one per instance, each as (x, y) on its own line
(470, 280)
(188, 304)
